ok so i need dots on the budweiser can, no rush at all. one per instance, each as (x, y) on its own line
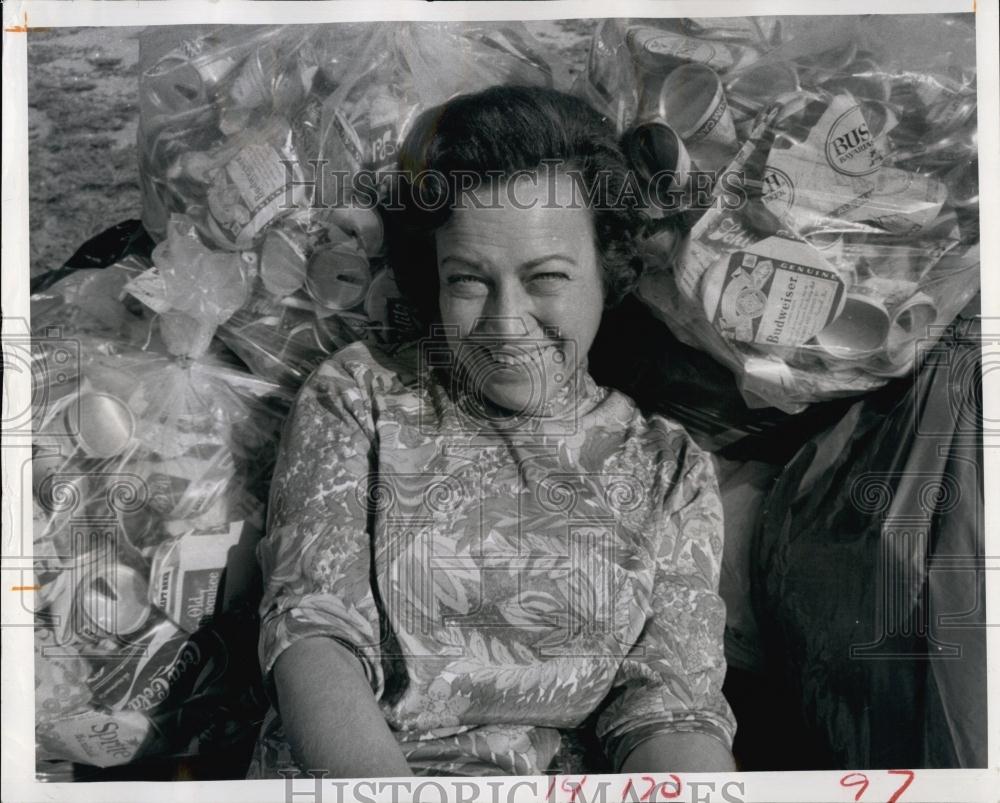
(860, 330)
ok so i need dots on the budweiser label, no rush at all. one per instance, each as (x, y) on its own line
(779, 293)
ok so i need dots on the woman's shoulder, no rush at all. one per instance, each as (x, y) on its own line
(657, 433)
(372, 367)
(660, 450)
(369, 373)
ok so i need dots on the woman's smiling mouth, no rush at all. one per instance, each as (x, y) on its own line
(516, 357)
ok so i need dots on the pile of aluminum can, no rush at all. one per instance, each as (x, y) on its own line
(813, 192)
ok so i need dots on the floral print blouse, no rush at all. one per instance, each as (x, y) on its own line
(515, 587)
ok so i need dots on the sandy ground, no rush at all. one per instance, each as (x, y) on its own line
(82, 120)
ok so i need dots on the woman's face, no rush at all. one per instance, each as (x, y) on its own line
(521, 291)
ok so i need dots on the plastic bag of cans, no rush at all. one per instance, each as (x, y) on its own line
(813, 198)
(229, 122)
(240, 126)
(95, 301)
(191, 288)
(411, 66)
(322, 284)
(272, 143)
(150, 476)
(629, 58)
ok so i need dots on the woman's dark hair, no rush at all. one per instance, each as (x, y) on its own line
(498, 132)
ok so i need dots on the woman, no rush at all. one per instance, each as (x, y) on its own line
(478, 561)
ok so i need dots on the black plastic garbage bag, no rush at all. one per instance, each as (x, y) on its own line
(868, 579)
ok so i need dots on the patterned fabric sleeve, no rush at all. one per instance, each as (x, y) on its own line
(315, 557)
(671, 680)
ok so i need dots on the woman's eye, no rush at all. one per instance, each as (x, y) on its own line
(548, 279)
(466, 284)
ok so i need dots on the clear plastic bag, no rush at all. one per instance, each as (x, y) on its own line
(192, 288)
(228, 122)
(408, 67)
(322, 285)
(94, 300)
(629, 58)
(313, 277)
(836, 241)
(150, 477)
(151, 471)
(233, 118)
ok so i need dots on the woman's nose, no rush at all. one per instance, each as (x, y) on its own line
(504, 314)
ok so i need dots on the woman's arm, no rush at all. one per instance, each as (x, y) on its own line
(331, 719)
(666, 711)
(320, 634)
(680, 752)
